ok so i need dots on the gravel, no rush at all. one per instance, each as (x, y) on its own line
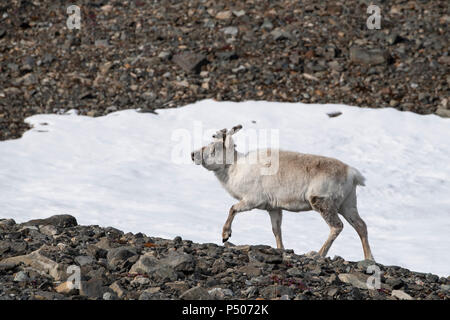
(142, 267)
(163, 54)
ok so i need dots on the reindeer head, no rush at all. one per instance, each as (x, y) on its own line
(219, 153)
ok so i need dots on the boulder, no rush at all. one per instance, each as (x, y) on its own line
(368, 57)
(180, 262)
(220, 293)
(274, 291)
(62, 221)
(400, 294)
(147, 264)
(357, 280)
(118, 289)
(84, 260)
(93, 288)
(6, 223)
(189, 61)
(196, 293)
(261, 255)
(66, 287)
(39, 262)
(118, 256)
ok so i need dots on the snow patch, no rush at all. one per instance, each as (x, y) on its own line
(119, 170)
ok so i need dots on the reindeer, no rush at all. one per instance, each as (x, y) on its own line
(302, 182)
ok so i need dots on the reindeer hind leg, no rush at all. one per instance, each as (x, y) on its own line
(350, 212)
(328, 210)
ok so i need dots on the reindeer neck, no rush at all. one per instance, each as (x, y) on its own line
(223, 173)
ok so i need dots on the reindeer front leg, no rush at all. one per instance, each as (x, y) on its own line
(276, 217)
(241, 206)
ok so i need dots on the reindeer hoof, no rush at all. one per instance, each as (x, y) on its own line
(225, 236)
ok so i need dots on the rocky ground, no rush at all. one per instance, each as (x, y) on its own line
(39, 257)
(161, 54)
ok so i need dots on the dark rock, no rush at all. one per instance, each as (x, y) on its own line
(102, 43)
(109, 296)
(218, 266)
(7, 223)
(368, 57)
(117, 289)
(104, 243)
(444, 60)
(393, 38)
(145, 265)
(117, 257)
(334, 114)
(113, 233)
(21, 276)
(211, 282)
(401, 295)
(189, 61)
(196, 293)
(4, 247)
(96, 252)
(38, 260)
(279, 34)
(336, 66)
(232, 31)
(220, 293)
(8, 266)
(432, 277)
(357, 280)
(48, 59)
(28, 79)
(251, 270)
(152, 266)
(165, 273)
(62, 221)
(179, 286)
(49, 230)
(224, 15)
(178, 240)
(264, 255)
(45, 295)
(316, 270)
(93, 288)
(267, 25)
(295, 272)
(355, 294)
(332, 291)
(395, 283)
(180, 262)
(84, 260)
(165, 55)
(227, 55)
(365, 264)
(151, 294)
